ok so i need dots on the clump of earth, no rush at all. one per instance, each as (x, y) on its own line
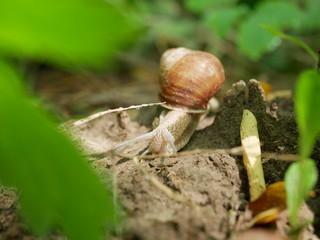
(212, 185)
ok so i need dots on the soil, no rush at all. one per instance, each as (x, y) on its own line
(212, 186)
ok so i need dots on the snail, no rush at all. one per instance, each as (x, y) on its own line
(188, 80)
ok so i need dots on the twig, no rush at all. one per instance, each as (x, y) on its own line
(232, 151)
(121, 109)
(282, 157)
(165, 189)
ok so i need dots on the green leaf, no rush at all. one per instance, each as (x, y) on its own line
(65, 32)
(300, 178)
(308, 110)
(254, 41)
(292, 39)
(201, 6)
(174, 30)
(310, 13)
(163, 8)
(57, 187)
(222, 20)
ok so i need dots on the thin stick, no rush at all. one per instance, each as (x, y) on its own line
(121, 109)
(282, 157)
(237, 151)
(232, 151)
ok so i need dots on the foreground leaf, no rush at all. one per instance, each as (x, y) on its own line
(300, 178)
(308, 110)
(57, 187)
(252, 154)
(74, 31)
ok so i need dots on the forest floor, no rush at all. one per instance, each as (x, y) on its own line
(205, 194)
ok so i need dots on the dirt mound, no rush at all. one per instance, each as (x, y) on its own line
(213, 185)
(193, 196)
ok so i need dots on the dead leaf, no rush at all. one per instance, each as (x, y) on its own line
(266, 87)
(266, 208)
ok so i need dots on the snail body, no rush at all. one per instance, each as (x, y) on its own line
(188, 80)
(173, 132)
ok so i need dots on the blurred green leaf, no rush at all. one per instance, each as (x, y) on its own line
(310, 14)
(300, 178)
(163, 7)
(179, 31)
(292, 39)
(197, 6)
(308, 110)
(75, 31)
(279, 13)
(222, 20)
(253, 40)
(57, 186)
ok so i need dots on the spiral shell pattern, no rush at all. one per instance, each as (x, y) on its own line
(189, 79)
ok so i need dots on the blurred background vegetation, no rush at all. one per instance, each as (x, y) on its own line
(230, 29)
(64, 59)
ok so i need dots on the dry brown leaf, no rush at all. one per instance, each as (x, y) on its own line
(266, 87)
(266, 208)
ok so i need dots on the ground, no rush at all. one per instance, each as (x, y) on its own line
(205, 194)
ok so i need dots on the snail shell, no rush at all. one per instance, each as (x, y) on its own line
(189, 79)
